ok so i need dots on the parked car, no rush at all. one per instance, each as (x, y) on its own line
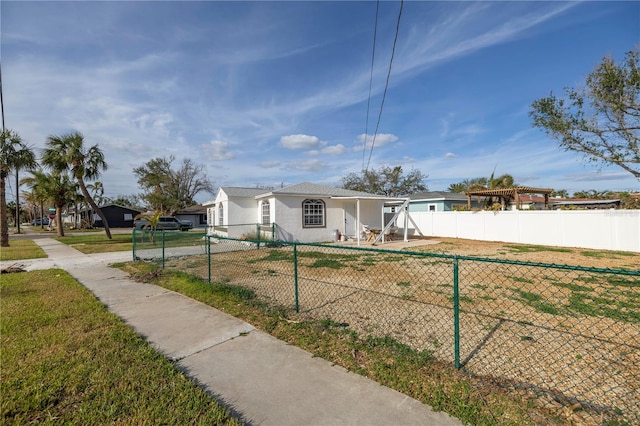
(39, 222)
(165, 223)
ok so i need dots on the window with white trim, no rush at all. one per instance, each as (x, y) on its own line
(220, 214)
(266, 213)
(313, 212)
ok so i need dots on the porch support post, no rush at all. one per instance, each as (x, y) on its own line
(358, 226)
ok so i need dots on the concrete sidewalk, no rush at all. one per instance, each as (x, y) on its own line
(265, 380)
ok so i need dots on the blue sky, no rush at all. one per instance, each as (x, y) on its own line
(272, 93)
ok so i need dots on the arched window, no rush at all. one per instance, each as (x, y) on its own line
(313, 213)
(220, 214)
(266, 213)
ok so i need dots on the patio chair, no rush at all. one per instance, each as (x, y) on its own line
(366, 233)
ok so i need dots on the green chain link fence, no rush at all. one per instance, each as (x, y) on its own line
(570, 335)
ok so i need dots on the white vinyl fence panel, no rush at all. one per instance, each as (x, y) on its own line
(596, 229)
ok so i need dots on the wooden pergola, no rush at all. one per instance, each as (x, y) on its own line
(508, 193)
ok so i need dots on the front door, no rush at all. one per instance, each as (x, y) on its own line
(350, 219)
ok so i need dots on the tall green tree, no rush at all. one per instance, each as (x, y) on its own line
(68, 152)
(14, 155)
(388, 181)
(600, 120)
(56, 187)
(169, 190)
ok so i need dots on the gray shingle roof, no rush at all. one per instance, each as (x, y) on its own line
(234, 191)
(313, 189)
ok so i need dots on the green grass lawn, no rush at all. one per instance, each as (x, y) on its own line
(67, 360)
(21, 249)
(98, 242)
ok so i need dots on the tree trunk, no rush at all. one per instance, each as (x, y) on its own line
(17, 203)
(59, 221)
(87, 197)
(4, 225)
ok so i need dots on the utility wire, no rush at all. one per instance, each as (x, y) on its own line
(384, 94)
(1, 99)
(373, 56)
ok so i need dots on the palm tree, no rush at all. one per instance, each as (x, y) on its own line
(468, 185)
(57, 187)
(67, 152)
(14, 154)
(152, 219)
(504, 181)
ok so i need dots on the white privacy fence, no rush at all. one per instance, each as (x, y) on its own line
(597, 229)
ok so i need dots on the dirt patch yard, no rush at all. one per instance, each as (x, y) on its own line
(523, 252)
(570, 334)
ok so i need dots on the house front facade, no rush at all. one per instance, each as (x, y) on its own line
(304, 212)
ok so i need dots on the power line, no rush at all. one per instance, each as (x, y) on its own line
(373, 56)
(384, 94)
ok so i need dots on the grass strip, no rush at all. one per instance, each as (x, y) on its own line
(21, 249)
(90, 243)
(384, 360)
(67, 360)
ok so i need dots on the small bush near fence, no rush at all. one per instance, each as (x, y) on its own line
(570, 335)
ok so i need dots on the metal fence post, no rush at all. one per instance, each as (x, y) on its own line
(273, 231)
(258, 233)
(133, 244)
(208, 257)
(456, 315)
(162, 249)
(295, 274)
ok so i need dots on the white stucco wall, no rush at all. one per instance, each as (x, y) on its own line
(287, 214)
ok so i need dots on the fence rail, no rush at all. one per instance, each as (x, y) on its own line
(569, 334)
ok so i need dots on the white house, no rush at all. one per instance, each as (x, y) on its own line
(304, 212)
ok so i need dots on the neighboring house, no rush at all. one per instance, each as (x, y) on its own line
(585, 204)
(533, 202)
(440, 201)
(118, 216)
(195, 214)
(304, 212)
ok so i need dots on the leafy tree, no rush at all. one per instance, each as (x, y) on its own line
(131, 200)
(601, 120)
(11, 211)
(14, 155)
(388, 181)
(59, 187)
(68, 152)
(169, 190)
(593, 194)
(561, 193)
(35, 200)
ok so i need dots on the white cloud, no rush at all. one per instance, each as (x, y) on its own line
(332, 150)
(450, 155)
(217, 151)
(300, 142)
(381, 139)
